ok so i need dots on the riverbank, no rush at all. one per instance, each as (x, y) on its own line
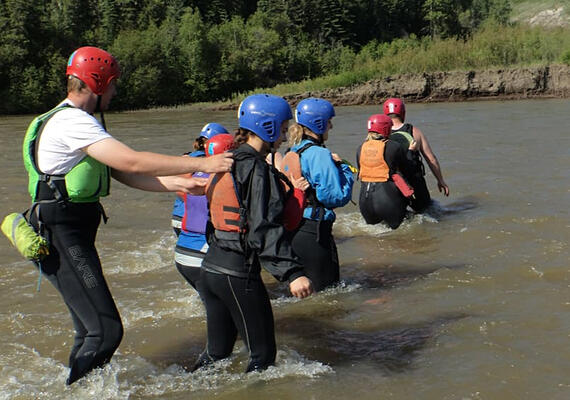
(546, 81)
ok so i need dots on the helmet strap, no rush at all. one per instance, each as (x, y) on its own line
(272, 149)
(98, 108)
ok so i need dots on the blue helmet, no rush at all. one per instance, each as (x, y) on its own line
(314, 114)
(212, 129)
(263, 115)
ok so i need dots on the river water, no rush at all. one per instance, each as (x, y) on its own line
(469, 301)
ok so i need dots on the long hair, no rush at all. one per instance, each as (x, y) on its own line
(295, 133)
(374, 136)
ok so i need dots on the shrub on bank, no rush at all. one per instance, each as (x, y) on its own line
(493, 46)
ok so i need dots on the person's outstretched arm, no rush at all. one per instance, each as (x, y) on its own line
(431, 160)
(172, 183)
(122, 158)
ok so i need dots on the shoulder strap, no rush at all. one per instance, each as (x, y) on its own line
(34, 150)
(305, 147)
(312, 200)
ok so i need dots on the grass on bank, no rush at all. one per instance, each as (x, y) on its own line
(491, 47)
(524, 10)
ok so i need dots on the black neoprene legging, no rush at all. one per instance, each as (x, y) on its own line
(237, 305)
(382, 202)
(314, 244)
(74, 269)
(422, 198)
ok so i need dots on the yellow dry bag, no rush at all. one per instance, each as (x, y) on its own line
(24, 237)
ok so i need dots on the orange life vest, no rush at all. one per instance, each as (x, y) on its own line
(373, 167)
(226, 211)
(292, 165)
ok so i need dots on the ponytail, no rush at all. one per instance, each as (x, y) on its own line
(295, 133)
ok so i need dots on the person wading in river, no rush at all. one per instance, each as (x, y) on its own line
(70, 159)
(396, 110)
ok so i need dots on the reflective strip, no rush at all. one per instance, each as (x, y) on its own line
(14, 225)
(189, 261)
(176, 223)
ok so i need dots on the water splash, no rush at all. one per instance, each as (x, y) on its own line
(352, 224)
(181, 303)
(138, 258)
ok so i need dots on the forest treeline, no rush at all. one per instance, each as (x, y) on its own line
(182, 51)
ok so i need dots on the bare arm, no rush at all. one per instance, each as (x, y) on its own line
(431, 160)
(161, 183)
(122, 158)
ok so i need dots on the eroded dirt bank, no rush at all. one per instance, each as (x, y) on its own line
(504, 83)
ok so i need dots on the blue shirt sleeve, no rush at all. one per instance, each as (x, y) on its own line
(332, 182)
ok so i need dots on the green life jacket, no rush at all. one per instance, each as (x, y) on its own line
(86, 182)
(404, 136)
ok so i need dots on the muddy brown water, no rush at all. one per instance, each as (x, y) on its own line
(468, 301)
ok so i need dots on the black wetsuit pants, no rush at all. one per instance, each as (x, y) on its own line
(422, 198)
(74, 269)
(416, 179)
(314, 244)
(238, 305)
(191, 274)
(382, 202)
(188, 263)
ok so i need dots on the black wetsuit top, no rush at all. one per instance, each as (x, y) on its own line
(422, 198)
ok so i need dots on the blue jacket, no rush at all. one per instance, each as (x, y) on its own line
(332, 182)
(178, 209)
(191, 240)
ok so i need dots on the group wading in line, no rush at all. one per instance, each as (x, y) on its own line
(240, 206)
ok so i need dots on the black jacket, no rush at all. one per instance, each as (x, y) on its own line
(266, 243)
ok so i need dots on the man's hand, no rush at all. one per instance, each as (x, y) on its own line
(194, 186)
(414, 146)
(218, 163)
(443, 188)
(301, 287)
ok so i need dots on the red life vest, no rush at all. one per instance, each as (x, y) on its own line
(373, 167)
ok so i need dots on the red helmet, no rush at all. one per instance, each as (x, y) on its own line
(218, 144)
(395, 106)
(380, 123)
(94, 66)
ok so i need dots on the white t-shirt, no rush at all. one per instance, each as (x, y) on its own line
(64, 136)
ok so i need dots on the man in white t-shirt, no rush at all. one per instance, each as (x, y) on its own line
(70, 158)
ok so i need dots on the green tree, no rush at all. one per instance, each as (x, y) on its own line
(198, 58)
